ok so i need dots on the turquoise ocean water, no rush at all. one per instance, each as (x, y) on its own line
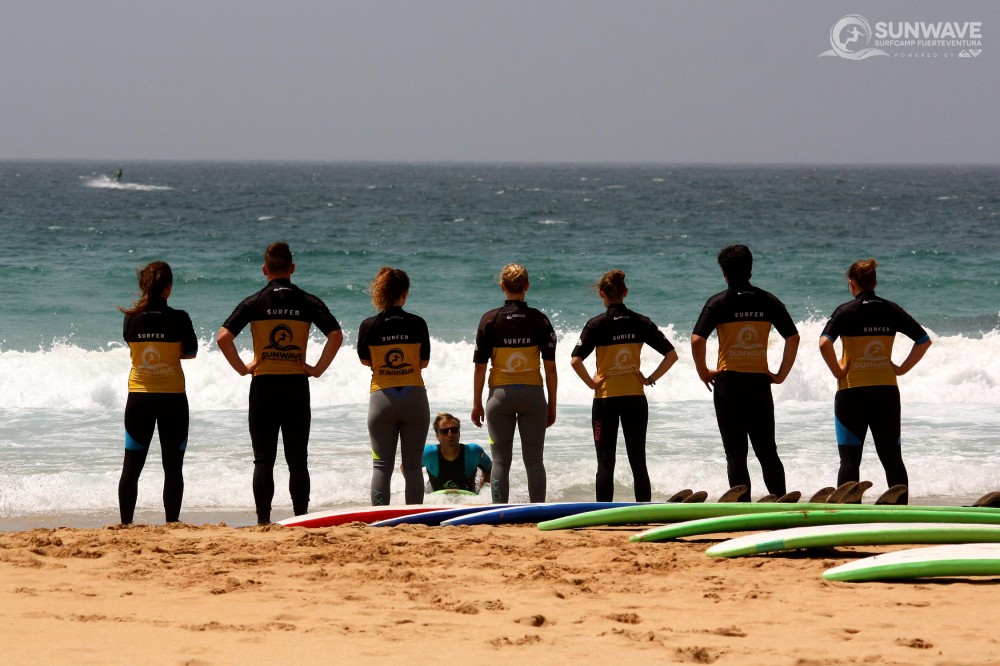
(73, 237)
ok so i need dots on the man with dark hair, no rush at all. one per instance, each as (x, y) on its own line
(743, 316)
(280, 315)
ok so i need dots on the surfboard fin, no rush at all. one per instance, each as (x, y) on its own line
(989, 499)
(898, 494)
(789, 498)
(768, 499)
(695, 498)
(681, 495)
(854, 494)
(735, 494)
(822, 495)
(837, 495)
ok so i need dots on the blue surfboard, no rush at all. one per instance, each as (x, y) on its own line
(532, 513)
(435, 517)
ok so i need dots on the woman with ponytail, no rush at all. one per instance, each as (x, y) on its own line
(618, 336)
(397, 347)
(519, 343)
(867, 393)
(158, 337)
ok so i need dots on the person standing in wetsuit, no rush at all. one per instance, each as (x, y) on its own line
(158, 338)
(452, 465)
(619, 395)
(867, 392)
(279, 316)
(518, 341)
(743, 316)
(396, 346)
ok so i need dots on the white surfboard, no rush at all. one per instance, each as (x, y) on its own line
(973, 559)
(860, 534)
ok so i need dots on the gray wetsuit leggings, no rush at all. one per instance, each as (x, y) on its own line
(525, 407)
(398, 415)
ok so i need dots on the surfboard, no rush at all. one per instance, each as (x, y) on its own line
(532, 513)
(671, 513)
(844, 515)
(863, 534)
(974, 559)
(435, 517)
(357, 514)
(454, 491)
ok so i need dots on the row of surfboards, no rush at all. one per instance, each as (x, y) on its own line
(971, 534)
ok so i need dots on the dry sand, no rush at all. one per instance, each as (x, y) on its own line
(218, 595)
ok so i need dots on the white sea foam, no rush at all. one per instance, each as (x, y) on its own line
(108, 183)
(956, 370)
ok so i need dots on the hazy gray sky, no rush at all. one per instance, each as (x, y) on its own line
(632, 81)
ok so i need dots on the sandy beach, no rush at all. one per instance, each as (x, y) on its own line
(214, 594)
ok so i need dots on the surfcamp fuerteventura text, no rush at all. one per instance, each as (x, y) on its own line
(854, 38)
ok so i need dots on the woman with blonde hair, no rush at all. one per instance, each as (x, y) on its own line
(518, 342)
(396, 346)
(619, 394)
(158, 338)
(867, 392)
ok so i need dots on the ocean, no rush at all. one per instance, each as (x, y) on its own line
(73, 237)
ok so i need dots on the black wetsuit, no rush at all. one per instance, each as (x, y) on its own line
(868, 397)
(157, 338)
(743, 316)
(279, 316)
(618, 336)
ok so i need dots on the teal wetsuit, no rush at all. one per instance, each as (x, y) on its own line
(459, 473)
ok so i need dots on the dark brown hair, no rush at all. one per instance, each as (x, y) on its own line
(862, 272)
(278, 258)
(153, 280)
(444, 416)
(736, 262)
(388, 287)
(612, 284)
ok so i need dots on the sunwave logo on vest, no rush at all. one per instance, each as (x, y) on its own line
(516, 362)
(748, 344)
(281, 339)
(874, 357)
(281, 347)
(854, 38)
(624, 365)
(395, 363)
(152, 363)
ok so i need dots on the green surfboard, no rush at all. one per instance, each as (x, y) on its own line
(862, 534)
(797, 518)
(973, 559)
(644, 514)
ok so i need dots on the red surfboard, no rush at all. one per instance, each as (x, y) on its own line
(356, 514)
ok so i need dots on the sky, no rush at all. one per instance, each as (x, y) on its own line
(729, 81)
